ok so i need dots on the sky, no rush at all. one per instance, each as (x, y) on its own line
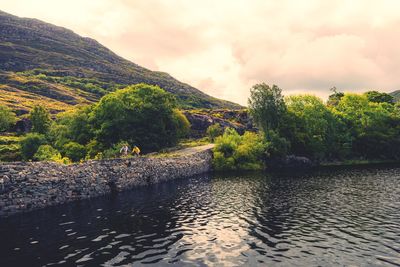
(224, 47)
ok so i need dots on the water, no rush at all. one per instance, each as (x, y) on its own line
(330, 217)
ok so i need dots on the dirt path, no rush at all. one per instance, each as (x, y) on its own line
(192, 150)
(180, 152)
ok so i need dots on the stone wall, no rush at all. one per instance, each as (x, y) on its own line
(27, 186)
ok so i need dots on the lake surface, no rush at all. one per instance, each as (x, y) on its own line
(328, 217)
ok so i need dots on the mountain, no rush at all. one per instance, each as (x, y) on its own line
(41, 62)
(396, 95)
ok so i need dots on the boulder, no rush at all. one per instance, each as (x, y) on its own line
(290, 162)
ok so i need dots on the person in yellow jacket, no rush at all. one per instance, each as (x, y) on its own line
(136, 151)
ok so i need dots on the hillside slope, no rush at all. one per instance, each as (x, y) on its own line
(74, 69)
(396, 95)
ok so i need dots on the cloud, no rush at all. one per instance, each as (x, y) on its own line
(224, 47)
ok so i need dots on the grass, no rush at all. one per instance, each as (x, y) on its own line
(10, 148)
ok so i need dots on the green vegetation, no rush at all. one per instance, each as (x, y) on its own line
(378, 97)
(99, 131)
(233, 151)
(267, 107)
(47, 153)
(348, 128)
(30, 145)
(214, 131)
(7, 118)
(40, 119)
(10, 149)
(125, 116)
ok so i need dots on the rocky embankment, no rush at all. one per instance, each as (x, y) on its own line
(27, 186)
(200, 120)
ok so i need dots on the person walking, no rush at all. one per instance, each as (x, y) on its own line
(124, 150)
(136, 151)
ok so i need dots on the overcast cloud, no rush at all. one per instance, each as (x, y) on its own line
(224, 47)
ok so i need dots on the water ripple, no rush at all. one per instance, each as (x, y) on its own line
(324, 218)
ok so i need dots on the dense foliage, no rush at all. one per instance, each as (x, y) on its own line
(233, 151)
(266, 106)
(30, 145)
(7, 118)
(141, 115)
(349, 126)
(40, 119)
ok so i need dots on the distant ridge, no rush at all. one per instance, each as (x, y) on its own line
(396, 95)
(43, 62)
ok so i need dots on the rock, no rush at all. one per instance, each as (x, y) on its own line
(22, 126)
(238, 120)
(290, 162)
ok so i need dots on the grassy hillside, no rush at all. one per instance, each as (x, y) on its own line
(43, 62)
(396, 95)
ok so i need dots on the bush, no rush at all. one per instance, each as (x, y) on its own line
(7, 118)
(235, 152)
(214, 131)
(74, 151)
(47, 153)
(40, 118)
(30, 144)
(181, 124)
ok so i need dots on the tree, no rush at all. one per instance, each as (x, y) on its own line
(314, 129)
(72, 126)
(7, 118)
(378, 97)
(334, 99)
(40, 118)
(30, 144)
(142, 115)
(267, 107)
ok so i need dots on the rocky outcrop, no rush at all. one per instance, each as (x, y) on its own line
(27, 186)
(201, 120)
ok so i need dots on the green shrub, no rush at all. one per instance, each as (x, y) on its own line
(7, 118)
(181, 124)
(74, 151)
(47, 153)
(214, 131)
(30, 144)
(235, 152)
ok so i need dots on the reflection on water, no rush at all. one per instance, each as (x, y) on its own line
(327, 217)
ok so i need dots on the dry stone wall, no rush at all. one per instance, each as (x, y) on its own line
(27, 186)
